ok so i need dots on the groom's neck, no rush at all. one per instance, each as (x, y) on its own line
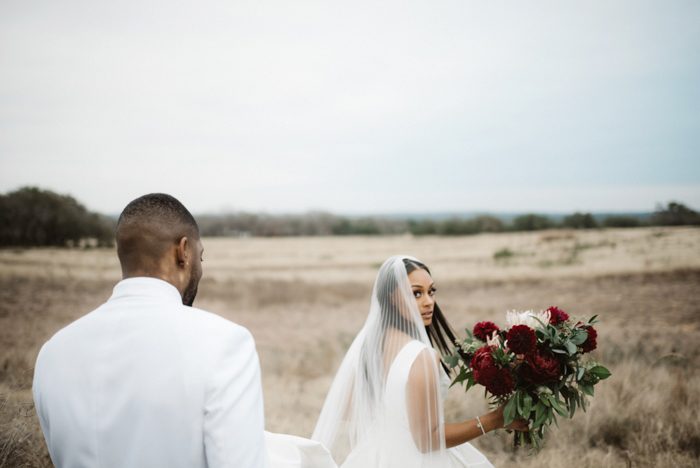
(157, 273)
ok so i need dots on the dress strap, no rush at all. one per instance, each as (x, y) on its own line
(404, 360)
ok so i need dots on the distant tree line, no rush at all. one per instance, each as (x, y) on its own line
(324, 224)
(308, 224)
(34, 217)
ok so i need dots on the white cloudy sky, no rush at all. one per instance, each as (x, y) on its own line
(354, 107)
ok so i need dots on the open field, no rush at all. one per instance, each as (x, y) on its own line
(305, 298)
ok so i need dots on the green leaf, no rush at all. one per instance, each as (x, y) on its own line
(470, 382)
(461, 377)
(535, 440)
(600, 372)
(527, 406)
(593, 319)
(580, 373)
(509, 411)
(564, 390)
(539, 409)
(541, 413)
(572, 407)
(570, 348)
(587, 389)
(558, 408)
(559, 351)
(518, 403)
(579, 337)
(452, 361)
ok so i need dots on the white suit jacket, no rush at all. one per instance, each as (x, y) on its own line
(143, 381)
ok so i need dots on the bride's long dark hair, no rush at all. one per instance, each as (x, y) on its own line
(440, 333)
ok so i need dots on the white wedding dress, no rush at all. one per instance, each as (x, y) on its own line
(288, 451)
(401, 450)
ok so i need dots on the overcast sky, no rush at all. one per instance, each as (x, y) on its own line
(354, 107)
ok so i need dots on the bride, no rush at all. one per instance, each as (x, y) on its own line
(385, 406)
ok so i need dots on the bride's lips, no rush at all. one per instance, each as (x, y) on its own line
(427, 314)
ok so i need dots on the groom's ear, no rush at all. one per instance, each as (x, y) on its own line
(182, 252)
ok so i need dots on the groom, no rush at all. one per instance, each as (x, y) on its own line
(145, 380)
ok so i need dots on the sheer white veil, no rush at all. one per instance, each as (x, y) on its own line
(359, 411)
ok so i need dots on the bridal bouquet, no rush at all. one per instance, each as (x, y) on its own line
(537, 367)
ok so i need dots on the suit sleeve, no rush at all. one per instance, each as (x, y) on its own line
(37, 384)
(233, 413)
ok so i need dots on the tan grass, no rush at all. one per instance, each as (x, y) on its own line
(305, 298)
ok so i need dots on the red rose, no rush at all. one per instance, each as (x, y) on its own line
(481, 363)
(540, 367)
(521, 339)
(484, 330)
(591, 342)
(557, 316)
(482, 358)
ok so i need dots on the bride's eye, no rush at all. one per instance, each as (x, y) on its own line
(417, 294)
(432, 291)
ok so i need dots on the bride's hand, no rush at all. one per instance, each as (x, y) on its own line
(497, 417)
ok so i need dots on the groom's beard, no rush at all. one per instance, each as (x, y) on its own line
(190, 293)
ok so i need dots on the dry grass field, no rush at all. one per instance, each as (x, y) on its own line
(305, 298)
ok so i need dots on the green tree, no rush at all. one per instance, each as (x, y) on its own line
(621, 221)
(531, 222)
(422, 228)
(486, 223)
(34, 217)
(458, 227)
(361, 226)
(580, 221)
(674, 214)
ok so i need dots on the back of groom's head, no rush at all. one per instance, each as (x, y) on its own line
(156, 235)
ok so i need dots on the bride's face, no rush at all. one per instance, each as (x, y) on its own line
(424, 292)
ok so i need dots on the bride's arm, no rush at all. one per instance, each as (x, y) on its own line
(459, 433)
(422, 401)
(423, 404)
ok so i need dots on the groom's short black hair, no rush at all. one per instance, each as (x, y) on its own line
(148, 227)
(158, 206)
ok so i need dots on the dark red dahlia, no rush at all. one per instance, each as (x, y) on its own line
(484, 330)
(540, 367)
(497, 381)
(521, 339)
(591, 342)
(557, 316)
